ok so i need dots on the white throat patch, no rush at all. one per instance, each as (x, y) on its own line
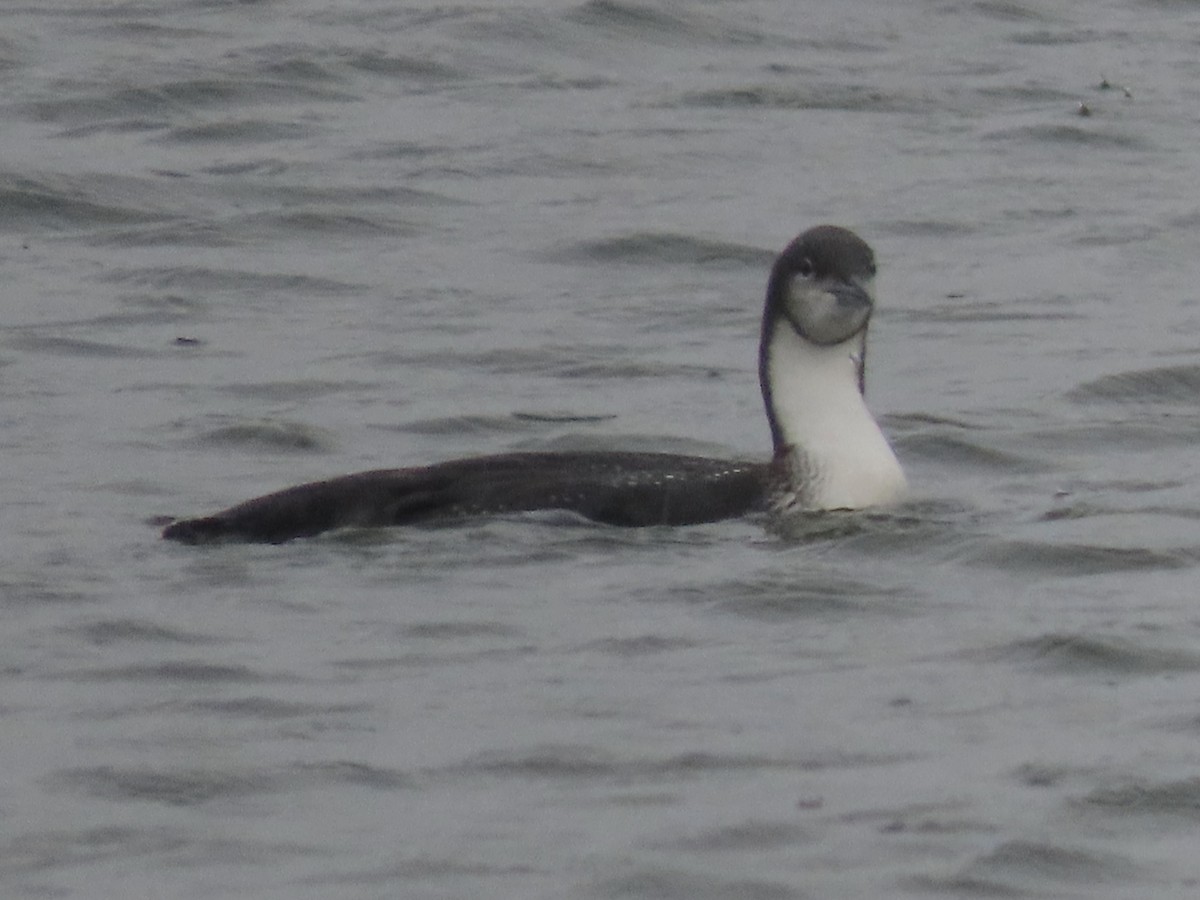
(839, 457)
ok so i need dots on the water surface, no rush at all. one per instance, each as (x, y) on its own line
(251, 244)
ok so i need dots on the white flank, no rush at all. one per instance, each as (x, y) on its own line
(840, 458)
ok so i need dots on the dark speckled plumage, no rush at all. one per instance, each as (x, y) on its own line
(630, 489)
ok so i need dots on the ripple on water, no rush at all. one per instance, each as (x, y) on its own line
(1124, 433)
(812, 96)
(658, 25)
(1070, 136)
(59, 202)
(575, 762)
(301, 389)
(783, 596)
(57, 345)
(471, 425)
(1073, 654)
(675, 884)
(41, 852)
(201, 279)
(1167, 800)
(958, 310)
(38, 851)
(1029, 558)
(457, 630)
(661, 248)
(196, 786)
(167, 234)
(265, 709)
(600, 27)
(336, 222)
(909, 531)
(1027, 868)
(231, 132)
(404, 69)
(193, 672)
(421, 867)
(755, 834)
(955, 450)
(118, 631)
(1166, 384)
(355, 774)
(173, 787)
(82, 104)
(274, 436)
(640, 645)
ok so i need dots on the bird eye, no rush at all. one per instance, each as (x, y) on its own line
(805, 267)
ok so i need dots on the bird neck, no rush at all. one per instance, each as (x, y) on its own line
(831, 446)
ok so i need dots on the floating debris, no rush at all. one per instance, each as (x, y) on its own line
(1106, 85)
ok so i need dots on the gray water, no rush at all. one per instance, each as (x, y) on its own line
(251, 244)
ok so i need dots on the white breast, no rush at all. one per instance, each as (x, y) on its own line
(839, 457)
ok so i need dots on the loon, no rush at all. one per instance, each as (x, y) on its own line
(829, 452)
